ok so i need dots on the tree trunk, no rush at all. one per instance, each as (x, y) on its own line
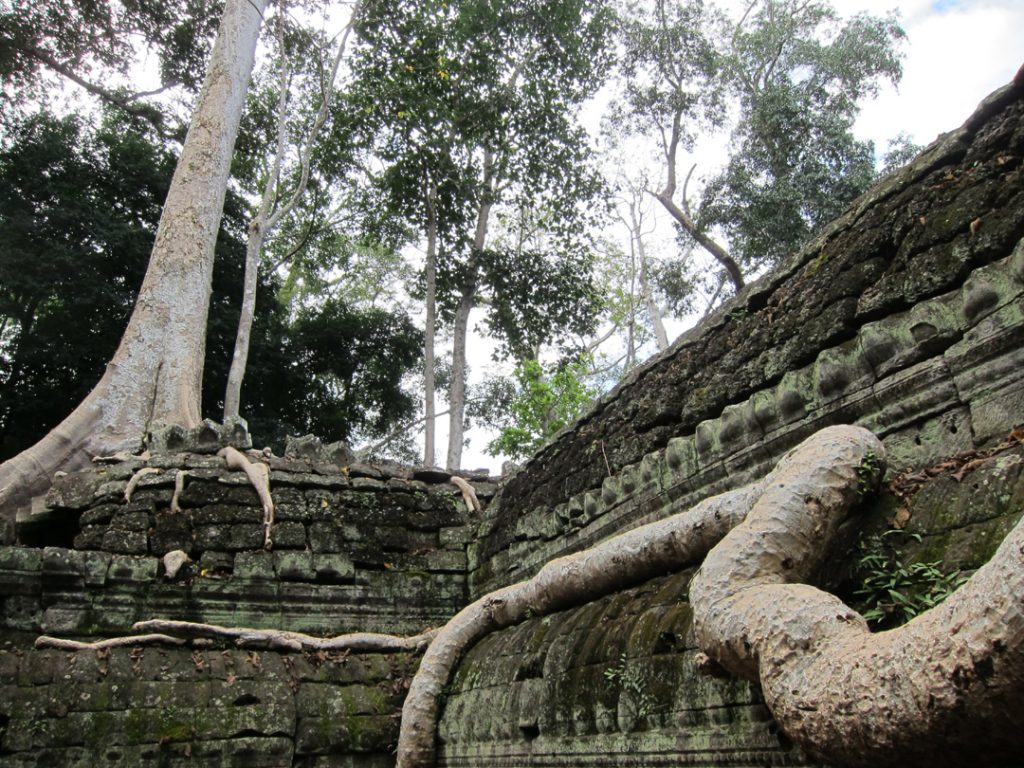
(944, 689)
(156, 373)
(708, 243)
(267, 218)
(429, 410)
(645, 286)
(457, 391)
(257, 233)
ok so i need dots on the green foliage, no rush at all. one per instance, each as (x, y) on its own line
(892, 592)
(543, 401)
(800, 74)
(631, 680)
(351, 363)
(91, 40)
(796, 74)
(78, 214)
(868, 473)
(473, 105)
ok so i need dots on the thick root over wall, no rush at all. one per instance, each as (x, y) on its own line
(943, 690)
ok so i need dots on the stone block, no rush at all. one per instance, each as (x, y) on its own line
(289, 535)
(242, 536)
(253, 566)
(294, 566)
(208, 437)
(138, 569)
(456, 537)
(171, 531)
(226, 514)
(99, 514)
(21, 559)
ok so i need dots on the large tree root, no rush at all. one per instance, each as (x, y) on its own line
(162, 631)
(633, 557)
(259, 475)
(943, 690)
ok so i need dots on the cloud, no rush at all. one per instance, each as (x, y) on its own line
(957, 53)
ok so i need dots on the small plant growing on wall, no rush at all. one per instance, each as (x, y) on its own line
(892, 592)
(631, 681)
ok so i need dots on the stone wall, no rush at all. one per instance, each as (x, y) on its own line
(356, 548)
(161, 708)
(369, 548)
(904, 316)
(615, 682)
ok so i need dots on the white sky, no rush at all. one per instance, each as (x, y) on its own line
(956, 53)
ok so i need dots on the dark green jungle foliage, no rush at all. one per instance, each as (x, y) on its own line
(78, 213)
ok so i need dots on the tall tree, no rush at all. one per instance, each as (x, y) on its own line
(155, 375)
(78, 211)
(280, 195)
(797, 73)
(95, 44)
(480, 97)
(800, 73)
(671, 91)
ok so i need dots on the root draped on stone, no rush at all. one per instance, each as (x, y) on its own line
(944, 689)
(61, 644)
(832, 456)
(167, 632)
(133, 482)
(179, 488)
(468, 492)
(629, 558)
(259, 475)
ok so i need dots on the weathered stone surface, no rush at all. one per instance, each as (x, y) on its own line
(173, 707)
(903, 315)
(907, 241)
(208, 437)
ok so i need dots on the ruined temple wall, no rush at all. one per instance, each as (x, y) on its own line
(905, 316)
(617, 682)
(364, 549)
(356, 548)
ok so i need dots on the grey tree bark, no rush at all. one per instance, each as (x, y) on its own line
(457, 390)
(635, 224)
(943, 690)
(429, 332)
(156, 372)
(269, 214)
(682, 214)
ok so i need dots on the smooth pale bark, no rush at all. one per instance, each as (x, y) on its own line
(155, 376)
(256, 234)
(646, 290)
(268, 217)
(943, 690)
(682, 214)
(676, 542)
(258, 474)
(181, 632)
(630, 558)
(457, 389)
(708, 243)
(429, 333)
(467, 299)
